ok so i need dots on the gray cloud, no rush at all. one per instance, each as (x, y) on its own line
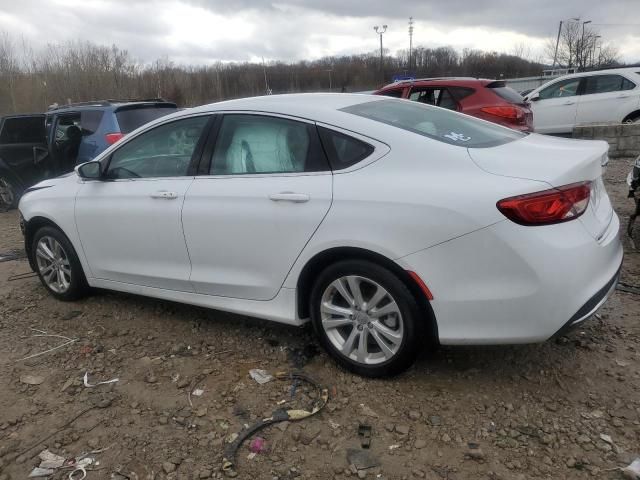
(295, 29)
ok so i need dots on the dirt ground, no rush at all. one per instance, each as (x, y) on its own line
(565, 409)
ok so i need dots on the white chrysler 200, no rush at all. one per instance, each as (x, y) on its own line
(390, 224)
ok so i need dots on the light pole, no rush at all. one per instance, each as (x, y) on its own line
(330, 81)
(582, 51)
(380, 31)
(410, 41)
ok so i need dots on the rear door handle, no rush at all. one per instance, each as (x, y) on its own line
(165, 195)
(289, 197)
(569, 102)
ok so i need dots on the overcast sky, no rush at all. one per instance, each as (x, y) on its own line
(205, 31)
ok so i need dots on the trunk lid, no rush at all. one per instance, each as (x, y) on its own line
(558, 162)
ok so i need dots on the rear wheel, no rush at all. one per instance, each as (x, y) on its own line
(634, 119)
(366, 318)
(8, 195)
(58, 266)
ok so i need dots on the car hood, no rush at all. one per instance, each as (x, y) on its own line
(556, 161)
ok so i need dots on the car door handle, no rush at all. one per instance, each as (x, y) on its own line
(623, 95)
(569, 102)
(289, 197)
(163, 194)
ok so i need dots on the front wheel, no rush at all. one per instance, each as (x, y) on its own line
(58, 266)
(366, 318)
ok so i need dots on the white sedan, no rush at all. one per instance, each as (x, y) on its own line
(389, 224)
(601, 96)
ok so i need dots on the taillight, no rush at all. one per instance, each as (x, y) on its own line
(112, 138)
(510, 112)
(549, 206)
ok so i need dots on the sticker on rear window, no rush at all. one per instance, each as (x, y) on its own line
(457, 137)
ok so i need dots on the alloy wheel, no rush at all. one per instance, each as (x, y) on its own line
(53, 264)
(361, 319)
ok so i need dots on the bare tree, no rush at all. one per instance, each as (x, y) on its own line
(581, 46)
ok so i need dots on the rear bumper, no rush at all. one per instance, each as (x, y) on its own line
(592, 305)
(508, 284)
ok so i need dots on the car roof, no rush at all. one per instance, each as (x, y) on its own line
(321, 107)
(633, 70)
(452, 81)
(108, 104)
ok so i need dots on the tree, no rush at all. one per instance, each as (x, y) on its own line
(581, 46)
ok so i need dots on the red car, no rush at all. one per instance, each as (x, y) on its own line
(489, 100)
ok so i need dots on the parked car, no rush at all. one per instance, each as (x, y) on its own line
(489, 100)
(601, 96)
(44, 145)
(388, 223)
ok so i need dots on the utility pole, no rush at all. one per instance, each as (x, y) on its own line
(380, 31)
(267, 90)
(555, 55)
(593, 49)
(582, 50)
(410, 41)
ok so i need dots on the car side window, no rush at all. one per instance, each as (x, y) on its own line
(164, 151)
(255, 144)
(25, 129)
(563, 88)
(606, 84)
(343, 150)
(439, 97)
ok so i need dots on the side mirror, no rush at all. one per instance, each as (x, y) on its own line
(534, 97)
(90, 170)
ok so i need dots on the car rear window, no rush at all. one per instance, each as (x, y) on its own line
(436, 123)
(506, 93)
(130, 118)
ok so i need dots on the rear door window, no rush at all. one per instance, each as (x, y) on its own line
(343, 150)
(438, 96)
(131, 117)
(606, 84)
(436, 123)
(27, 129)
(258, 144)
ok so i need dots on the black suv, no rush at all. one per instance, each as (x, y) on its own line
(39, 146)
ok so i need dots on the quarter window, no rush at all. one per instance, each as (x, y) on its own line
(255, 144)
(563, 88)
(606, 84)
(165, 151)
(343, 150)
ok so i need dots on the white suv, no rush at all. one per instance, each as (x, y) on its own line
(589, 97)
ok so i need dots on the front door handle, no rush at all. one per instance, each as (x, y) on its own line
(289, 197)
(569, 102)
(165, 195)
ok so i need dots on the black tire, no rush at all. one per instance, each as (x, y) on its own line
(77, 286)
(413, 324)
(9, 196)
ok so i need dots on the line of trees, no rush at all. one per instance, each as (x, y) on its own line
(31, 80)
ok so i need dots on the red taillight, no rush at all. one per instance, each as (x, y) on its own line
(112, 138)
(510, 112)
(549, 206)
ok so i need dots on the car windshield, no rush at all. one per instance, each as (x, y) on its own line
(436, 123)
(130, 118)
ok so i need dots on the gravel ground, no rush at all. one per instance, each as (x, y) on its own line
(568, 408)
